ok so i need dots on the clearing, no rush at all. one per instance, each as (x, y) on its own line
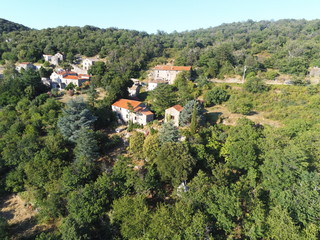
(66, 97)
(222, 114)
(21, 218)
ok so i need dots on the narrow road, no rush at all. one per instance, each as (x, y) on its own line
(235, 80)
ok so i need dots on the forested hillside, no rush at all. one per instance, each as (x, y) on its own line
(205, 179)
(7, 26)
(285, 46)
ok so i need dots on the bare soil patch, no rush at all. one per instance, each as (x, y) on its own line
(66, 97)
(220, 113)
(21, 218)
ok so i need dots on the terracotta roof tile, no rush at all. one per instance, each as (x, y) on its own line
(71, 77)
(178, 107)
(124, 103)
(84, 75)
(172, 68)
(66, 73)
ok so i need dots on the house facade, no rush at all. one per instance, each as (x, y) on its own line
(154, 83)
(131, 110)
(88, 62)
(55, 59)
(168, 73)
(61, 79)
(173, 114)
(134, 90)
(25, 66)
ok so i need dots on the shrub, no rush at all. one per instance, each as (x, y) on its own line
(271, 74)
(255, 85)
(216, 95)
(132, 126)
(240, 105)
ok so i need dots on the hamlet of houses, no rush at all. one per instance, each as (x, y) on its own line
(135, 111)
(126, 109)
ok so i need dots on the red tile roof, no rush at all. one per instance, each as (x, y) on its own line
(124, 103)
(84, 75)
(63, 72)
(172, 68)
(71, 77)
(178, 107)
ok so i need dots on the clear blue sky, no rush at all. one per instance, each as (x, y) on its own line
(151, 15)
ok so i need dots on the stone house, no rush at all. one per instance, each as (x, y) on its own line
(25, 66)
(173, 114)
(168, 73)
(134, 90)
(47, 57)
(154, 83)
(55, 59)
(46, 81)
(132, 110)
(75, 80)
(61, 79)
(88, 62)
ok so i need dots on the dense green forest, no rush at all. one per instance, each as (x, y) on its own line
(284, 46)
(204, 180)
(8, 26)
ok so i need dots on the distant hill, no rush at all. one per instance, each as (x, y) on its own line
(8, 26)
(266, 49)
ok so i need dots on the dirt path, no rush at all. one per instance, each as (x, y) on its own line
(236, 80)
(221, 112)
(20, 217)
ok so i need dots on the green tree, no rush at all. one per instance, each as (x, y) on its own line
(281, 225)
(186, 113)
(75, 116)
(194, 122)
(185, 87)
(162, 98)
(92, 95)
(86, 145)
(98, 69)
(170, 222)
(151, 147)
(240, 104)
(241, 149)
(168, 133)
(3, 229)
(215, 96)
(70, 86)
(132, 216)
(255, 85)
(136, 144)
(174, 162)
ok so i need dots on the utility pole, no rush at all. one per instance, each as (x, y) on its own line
(244, 73)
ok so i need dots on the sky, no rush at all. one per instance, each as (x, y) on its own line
(153, 15)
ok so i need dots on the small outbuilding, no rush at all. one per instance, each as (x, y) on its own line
(173, 114)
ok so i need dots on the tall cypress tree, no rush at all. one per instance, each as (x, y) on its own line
(193, 125)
